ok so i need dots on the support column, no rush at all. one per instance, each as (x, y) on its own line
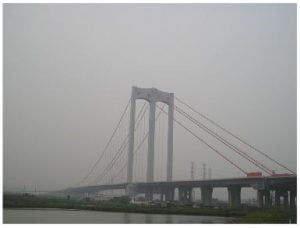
(131, 190)
(285, 199)
(149, 195)
(150, 161)
(188, 195)
(181, 194)
(185, 195)
(164, 194)
(169, 194)
(234, 196)
(131, 138)
(292, 199)
(268, 203)
(260, 198)
(191, 195)
(170, 138)
(277, 198)
(161, 196)
(206, 195)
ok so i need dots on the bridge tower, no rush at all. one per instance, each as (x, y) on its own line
(152, 95)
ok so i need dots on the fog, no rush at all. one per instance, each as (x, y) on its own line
(69, 69)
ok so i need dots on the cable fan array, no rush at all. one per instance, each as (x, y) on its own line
(110, 166)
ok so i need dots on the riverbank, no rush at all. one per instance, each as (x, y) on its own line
(29, 201)
(243, 215)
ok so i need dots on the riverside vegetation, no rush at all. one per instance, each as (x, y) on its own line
(121, 204)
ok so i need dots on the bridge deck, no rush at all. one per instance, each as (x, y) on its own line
(255, 182)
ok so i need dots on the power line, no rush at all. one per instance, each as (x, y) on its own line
(142, 142)
(135, 151)
(124, 141)
(204, 142)
(224, 141)
(235, 136)
(111, 164)
(121, 148)
(106, 146)
(140, 115)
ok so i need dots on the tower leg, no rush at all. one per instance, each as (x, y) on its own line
(149, 195)
(150, 161)
(170, 139)
(131, 139)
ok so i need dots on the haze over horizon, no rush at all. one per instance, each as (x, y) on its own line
(68, 71)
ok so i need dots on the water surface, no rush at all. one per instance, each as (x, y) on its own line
(77, 216)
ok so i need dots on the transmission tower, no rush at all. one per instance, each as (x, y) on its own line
(192, 171)
(209, 173)
(192, 178)
(204, 171)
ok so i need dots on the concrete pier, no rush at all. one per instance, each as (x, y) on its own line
(285, 199)
(169, 192)
(166, 194)
(149, 195)
(264, 199)
(234, 196)
(277, 198)
(185, 194)
(292, 199)
(206, 195)
(268, 202)
(260, 198)
(288, 199)
(278, 195)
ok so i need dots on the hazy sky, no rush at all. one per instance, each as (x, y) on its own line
(69, 69)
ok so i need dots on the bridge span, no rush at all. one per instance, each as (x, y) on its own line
(283, 186)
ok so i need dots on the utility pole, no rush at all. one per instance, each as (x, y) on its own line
(192, 178)
(204, 171)
(192, 171)
(112, 191)
(209, 173)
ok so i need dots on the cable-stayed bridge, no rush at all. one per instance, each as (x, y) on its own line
(127, 163)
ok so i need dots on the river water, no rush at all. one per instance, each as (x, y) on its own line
(77, 216)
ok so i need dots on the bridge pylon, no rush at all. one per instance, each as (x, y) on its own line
(152, 95)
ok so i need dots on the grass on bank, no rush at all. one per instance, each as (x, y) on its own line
(269, 216)
(242, 215)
